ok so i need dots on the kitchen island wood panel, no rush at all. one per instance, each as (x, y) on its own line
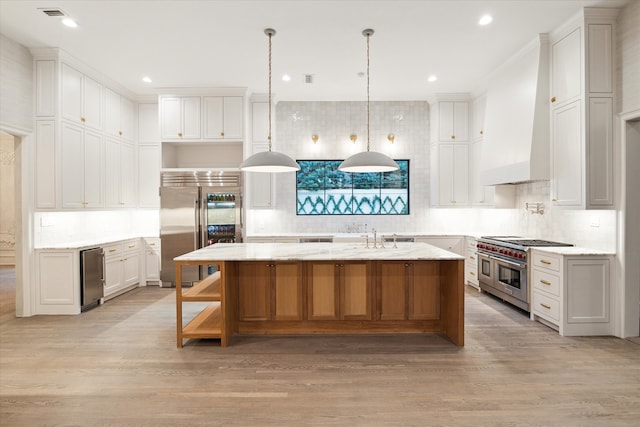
(414, 289)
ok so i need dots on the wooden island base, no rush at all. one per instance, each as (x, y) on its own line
(325, 297)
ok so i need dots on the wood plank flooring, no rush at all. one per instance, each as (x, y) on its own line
(118, 365)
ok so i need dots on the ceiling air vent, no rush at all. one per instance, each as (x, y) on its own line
(308, 78)
(53, 12)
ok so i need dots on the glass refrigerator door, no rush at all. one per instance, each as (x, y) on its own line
(221, 218)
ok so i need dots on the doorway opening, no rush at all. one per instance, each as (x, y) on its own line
(8, 224)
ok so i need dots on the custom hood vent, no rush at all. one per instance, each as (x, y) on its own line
(516, 129)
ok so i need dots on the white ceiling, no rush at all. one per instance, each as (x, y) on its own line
(216, 43)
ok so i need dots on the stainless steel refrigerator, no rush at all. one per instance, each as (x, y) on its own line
(197, 209)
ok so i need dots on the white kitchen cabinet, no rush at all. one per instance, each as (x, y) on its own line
(119, 116)
(571, 293)
(453, 123)
(260, 185)
(57, 281)
(259, 122)
(223, 117)
(479, 108)
(471, 262)
(180, 118)
(45, 149)
(148, 124)
(149, 160)
(46, 88)
(453, 174)
(152, 259)
(122, 267)
(566, 66)
(120, 176)
(81, 168)
(81, 98)
(582, 111)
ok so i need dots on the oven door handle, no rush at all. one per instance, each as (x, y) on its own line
(516, 264)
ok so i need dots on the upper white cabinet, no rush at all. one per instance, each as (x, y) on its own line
(566, 68)
(582, 111)
(81, 168)
(260, 187)
(180, 118)
(479, 195)
(479, 108)
(223, 117)
(81, 98)
(119, 116)
(201, 118)
(453, 121)
(149, 175)
(120, 177)
(453, 175)
(148, 124)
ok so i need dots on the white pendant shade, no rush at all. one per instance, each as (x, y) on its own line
(368, 161)
(269, 161)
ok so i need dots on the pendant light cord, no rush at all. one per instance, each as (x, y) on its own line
(269, 136)
(368, 108)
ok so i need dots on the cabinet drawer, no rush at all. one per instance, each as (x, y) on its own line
(545, 282)
(113, 250)
(472, 244)
(131, 245)
(546, 261)
(471, 272)
(546, 306)
(472, 256)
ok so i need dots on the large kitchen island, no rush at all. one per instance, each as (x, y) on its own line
(322, 288)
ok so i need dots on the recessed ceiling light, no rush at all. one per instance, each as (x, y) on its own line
(485, 20)
(147, 79)
(69, 22)
(432, 78)
(286, 77)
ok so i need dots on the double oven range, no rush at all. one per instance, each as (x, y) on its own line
(502, 267)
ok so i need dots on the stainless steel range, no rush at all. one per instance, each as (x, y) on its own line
(502, 267)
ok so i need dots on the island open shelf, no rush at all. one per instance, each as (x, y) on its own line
(323, 288)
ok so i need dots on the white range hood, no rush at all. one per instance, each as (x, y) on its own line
(516, 128)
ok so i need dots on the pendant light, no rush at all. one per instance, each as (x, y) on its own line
(368, 161)
(269, 161)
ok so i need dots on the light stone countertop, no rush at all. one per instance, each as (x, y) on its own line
(90, 243)
(316, 252)
(573, 250)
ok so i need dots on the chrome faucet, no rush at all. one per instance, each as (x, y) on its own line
(374, 238)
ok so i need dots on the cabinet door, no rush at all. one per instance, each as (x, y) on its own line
(453, 174)
(152, 265)
(111, 112)
(45, 167)
(148, 124)
(233, 117)
(480, 195)
(461, 121)
(445, 123)
(322, 293)
(127, 181)
(71, 96)
(461, 174)
(254, 296)
(113, 270)
(191, 117)
(567, 155)
(355, 291)
(286, 291)
(392, 292)
(149, 175)
(479, 105)
(588, 291)
(72, 170)
(423, 281)
(171, 118)
(93, 170)
(260, 122)
(92, 103)
(600, 152)
(566, 78)
(126, 119)
(112, 173)
(213, 117)
(131, 268)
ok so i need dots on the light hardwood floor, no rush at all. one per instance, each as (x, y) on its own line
(118, 365)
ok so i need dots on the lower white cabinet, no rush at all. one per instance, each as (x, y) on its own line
(152, 259)
(471, 263)
(571, 293)
(57, 281)
(122, 267)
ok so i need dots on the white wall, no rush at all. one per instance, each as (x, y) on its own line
(16, 87)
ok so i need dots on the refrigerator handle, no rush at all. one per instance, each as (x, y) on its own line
(196, 235)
